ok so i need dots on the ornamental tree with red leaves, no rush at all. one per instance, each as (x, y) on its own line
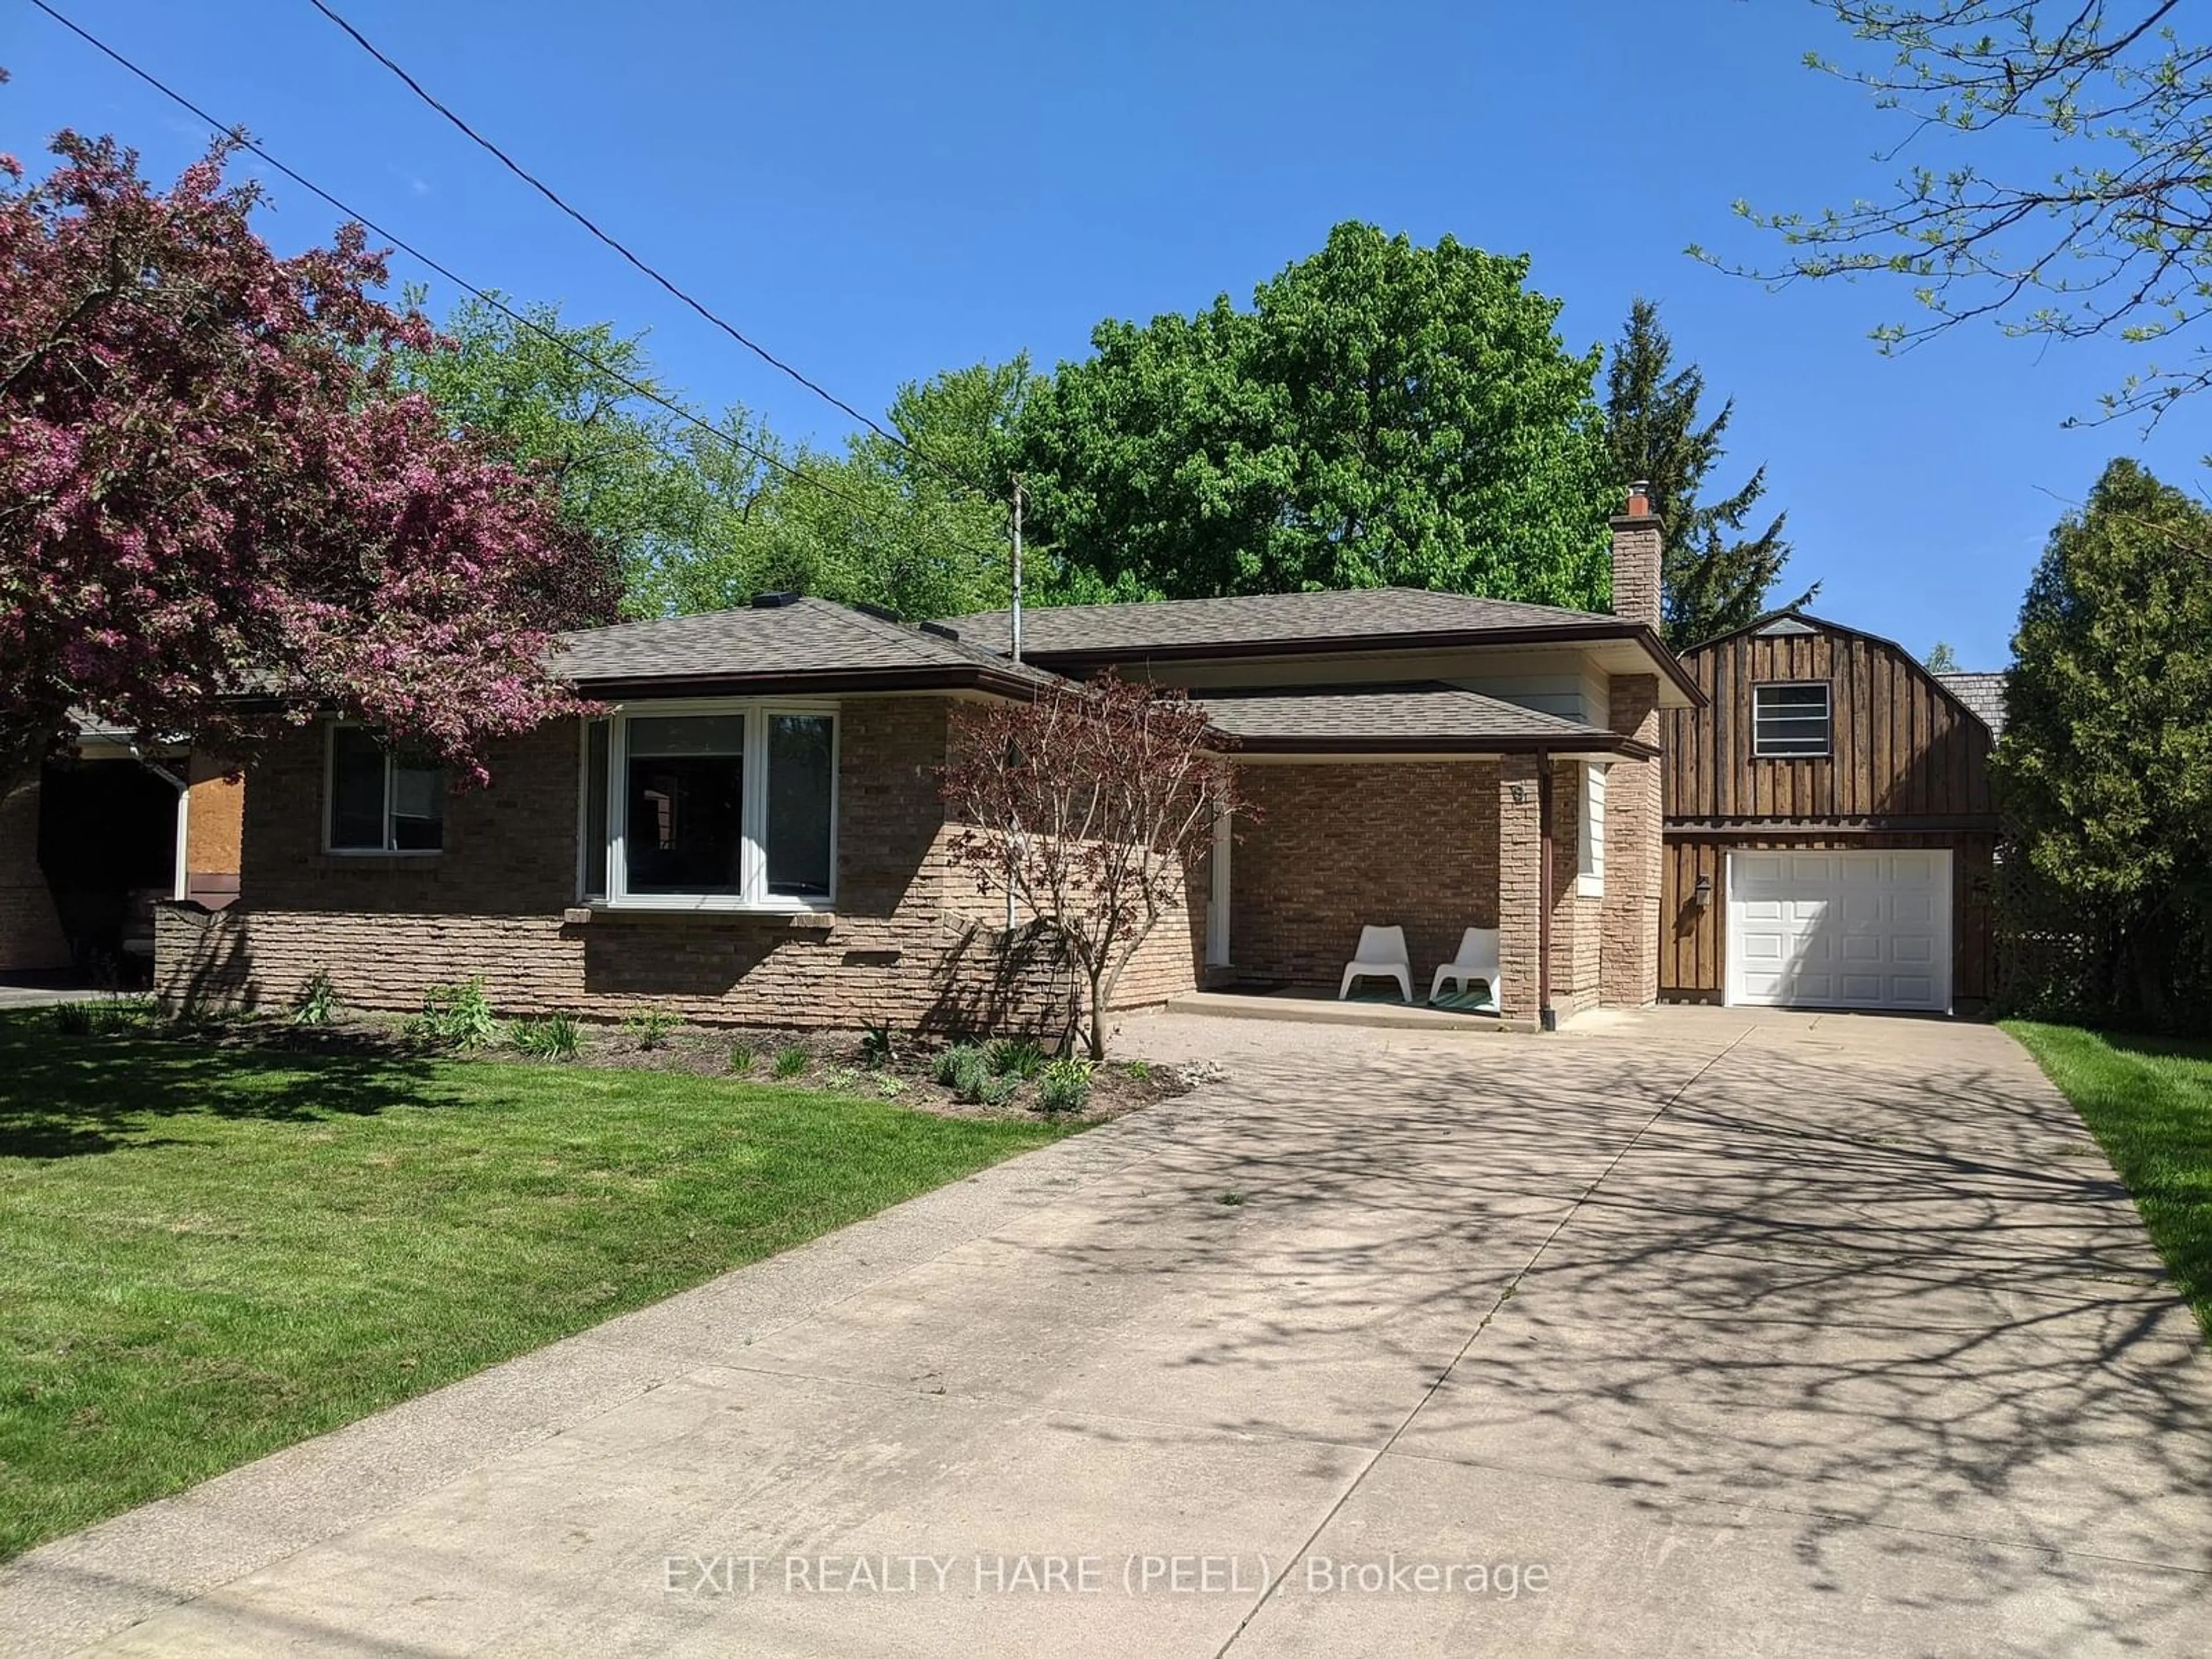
(1091, 805)
(218, 514)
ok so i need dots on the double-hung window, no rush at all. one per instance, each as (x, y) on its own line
(1790, 720)
(711, 806)
(378, 800)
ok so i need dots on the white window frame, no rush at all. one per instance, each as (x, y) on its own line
(331, 849)
(753, 813)
(1590, 833)
(1827, 721)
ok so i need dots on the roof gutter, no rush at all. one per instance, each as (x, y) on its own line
(963, 678)
(1606, 743)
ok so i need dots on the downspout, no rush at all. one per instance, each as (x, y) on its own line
(1547, 1017)
(180, 858)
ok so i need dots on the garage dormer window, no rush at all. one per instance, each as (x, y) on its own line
(1789, 720)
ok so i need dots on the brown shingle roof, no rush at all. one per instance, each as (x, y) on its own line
(1403, 718)
(1296, 620)
(802, 641)
(1982, 694)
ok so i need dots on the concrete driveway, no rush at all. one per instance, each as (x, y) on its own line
(1686, 1332)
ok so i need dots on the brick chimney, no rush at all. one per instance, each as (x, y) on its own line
(1636, 539)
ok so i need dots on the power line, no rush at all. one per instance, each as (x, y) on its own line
(555, 197)
(240, 136)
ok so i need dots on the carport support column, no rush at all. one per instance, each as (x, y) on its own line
(1522, 912)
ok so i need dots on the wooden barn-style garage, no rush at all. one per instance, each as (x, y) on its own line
(1828, 827)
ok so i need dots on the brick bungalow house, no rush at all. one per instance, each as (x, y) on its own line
(753, 832)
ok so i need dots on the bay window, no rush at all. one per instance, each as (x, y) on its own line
(711, 806)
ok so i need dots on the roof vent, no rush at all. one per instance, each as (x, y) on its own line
(879, 612)
(773, 601)
(940, 630)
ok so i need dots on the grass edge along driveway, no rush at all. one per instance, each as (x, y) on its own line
(207, 1254)
(2148, 1102)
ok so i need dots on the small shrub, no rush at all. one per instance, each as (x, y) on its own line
(1067, 1086)
(556, 1036)
(791, 1059)
(1022, 1059)
(1001, 1091)
(74, 1018)
(317, 1000)
(743, 1057)
(1137, 1070)
(653, 1026)
(879, 1046)
(965, 1070)
(890, 1088)
(458, 1016)
(948, 1065)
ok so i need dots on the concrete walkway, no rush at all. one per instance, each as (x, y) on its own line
(1687, 1332)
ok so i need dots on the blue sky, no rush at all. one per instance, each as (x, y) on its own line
(878, 192)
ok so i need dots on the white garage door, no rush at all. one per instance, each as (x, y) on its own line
(1839, 930)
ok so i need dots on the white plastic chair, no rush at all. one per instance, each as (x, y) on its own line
(1382, 955)
(1477, 959)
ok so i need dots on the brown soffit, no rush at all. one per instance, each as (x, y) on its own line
(1319, 644)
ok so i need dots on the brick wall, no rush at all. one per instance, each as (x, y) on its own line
(1638, 539)
(31, 939)
(1633, 873)
(906, 944)
(1520, 867)
(1412, 844)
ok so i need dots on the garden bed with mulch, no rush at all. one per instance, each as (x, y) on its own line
(997, 1079)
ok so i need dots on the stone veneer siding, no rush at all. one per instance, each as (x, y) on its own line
(1407, 843)
(910, 944)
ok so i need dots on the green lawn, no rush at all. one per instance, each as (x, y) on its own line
(207, 1254)
(2149, 1103)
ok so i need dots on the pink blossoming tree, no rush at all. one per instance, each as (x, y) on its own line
(216, 512)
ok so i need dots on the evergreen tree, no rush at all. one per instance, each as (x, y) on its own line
(1941, 659)
(2105, 768)
(1714, 579)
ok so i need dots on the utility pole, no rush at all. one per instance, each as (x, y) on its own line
(1017, 568)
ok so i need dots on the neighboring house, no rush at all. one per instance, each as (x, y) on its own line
(103, 831)
(1829, 827)
(1984, 693)
(754, 832)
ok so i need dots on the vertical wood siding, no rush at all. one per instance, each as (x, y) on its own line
(1901, 746)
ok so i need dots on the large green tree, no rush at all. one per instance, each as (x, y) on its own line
(702, 512)
(916, 524)
(1382, 413)
(2105, 768)
(1714, 577)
